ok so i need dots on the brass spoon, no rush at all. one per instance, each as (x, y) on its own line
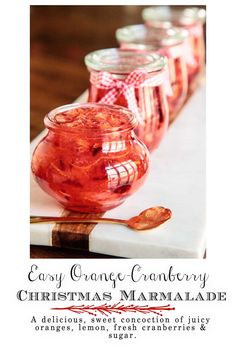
(148, 219)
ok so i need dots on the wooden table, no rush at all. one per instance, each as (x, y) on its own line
(60, 38)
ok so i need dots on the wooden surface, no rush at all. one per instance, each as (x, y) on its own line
(60, 37)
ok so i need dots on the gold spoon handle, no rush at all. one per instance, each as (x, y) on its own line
(147, 219)
(35, 219)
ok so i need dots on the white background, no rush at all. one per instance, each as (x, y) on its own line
(221, 134)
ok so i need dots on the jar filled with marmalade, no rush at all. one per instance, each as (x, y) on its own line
(90, 160)
(136, 81)
(191, 19)
(168, 42)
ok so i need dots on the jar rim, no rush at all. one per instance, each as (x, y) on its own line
(141, 34)
(116, 60)
(187, 16)
(89, 129)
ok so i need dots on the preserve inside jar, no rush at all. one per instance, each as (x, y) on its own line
(169, 42)
(90, 159)
(137, 80)
(191, 19)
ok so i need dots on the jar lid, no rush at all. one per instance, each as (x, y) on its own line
(124, 61)
(186, 16)
(140, 34)
(91, 119)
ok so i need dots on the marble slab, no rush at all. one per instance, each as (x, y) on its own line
(176, 181)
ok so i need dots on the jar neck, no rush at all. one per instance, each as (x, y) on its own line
(119, 61)
(179, 17)
(90, 120)
(151, 36)
(123, 75)
(61, 137)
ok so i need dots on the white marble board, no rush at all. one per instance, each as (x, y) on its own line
(176, 181)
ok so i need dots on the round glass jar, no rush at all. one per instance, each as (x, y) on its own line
(169, 42)
(191, 19)
(135, 81)
(90, 160)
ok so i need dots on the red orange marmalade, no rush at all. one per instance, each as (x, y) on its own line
(150, 99)
(91, 159)
(168, 42)
(191, 19)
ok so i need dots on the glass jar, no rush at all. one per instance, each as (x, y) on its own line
(90, 159)
(191, 19)
(169, 42)
(132, 80)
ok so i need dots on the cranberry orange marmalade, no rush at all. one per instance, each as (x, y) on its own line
(132, 80)
(170, 42)
(91, 159)
(191, 19)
